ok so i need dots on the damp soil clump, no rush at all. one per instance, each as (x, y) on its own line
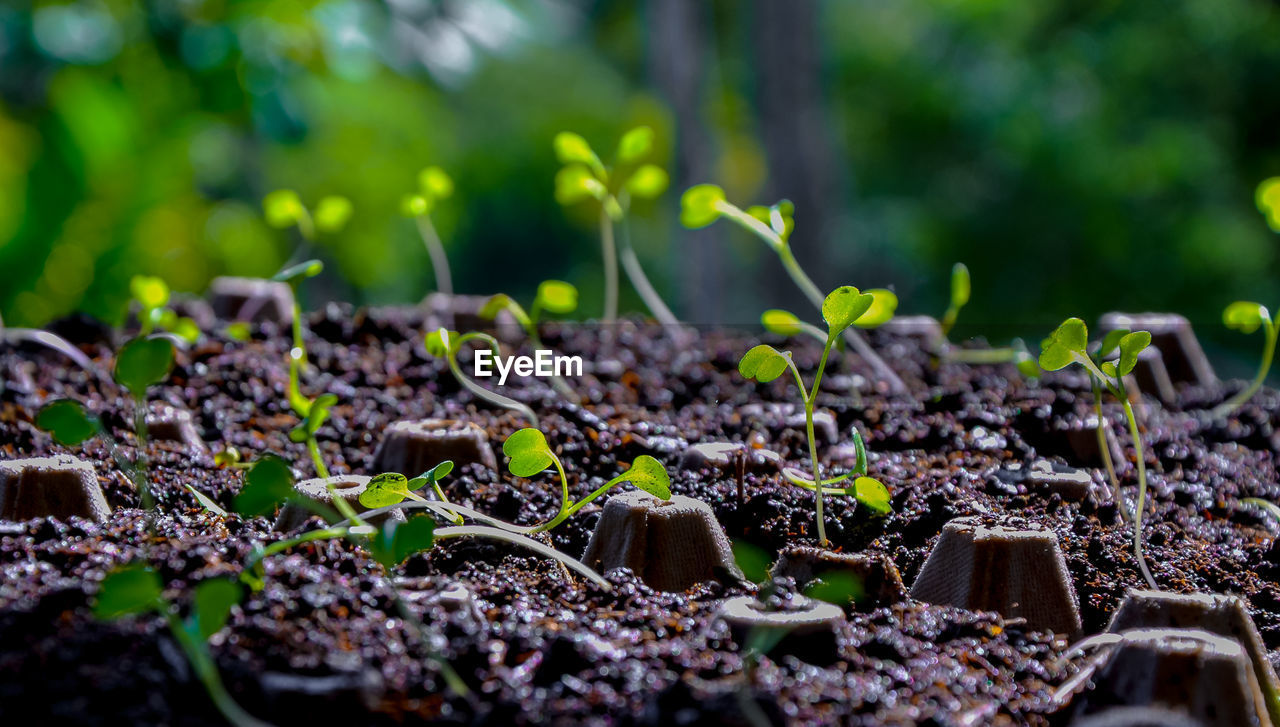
(323, 640)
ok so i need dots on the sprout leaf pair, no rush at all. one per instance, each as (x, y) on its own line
(1247, 317)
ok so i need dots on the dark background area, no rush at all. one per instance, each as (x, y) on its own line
(1079, 156)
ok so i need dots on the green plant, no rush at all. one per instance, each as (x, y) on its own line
(583, 176)
(844, 307)
(140, 364)
(960, 289)
(434, 185)
(445, 344)
(1068, 345)
(530, 454)
(284, 209)
(152, 296)
(390, 488)
(1247, 317)
(703, 204)
(554, 296)
(1017, 353)
(136, 589)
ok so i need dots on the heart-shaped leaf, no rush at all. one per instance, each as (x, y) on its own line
(781, 322)
(149, 291)
(960, 285)
(268, 483)
(1111, 342)
(1245, 316)
(295, 274)
(575, 183)
(752, 560)
(283, 208)
(431, 476)
(213, 601)
(843, 306)
(883, 305)
(332, 213)
(698, 205)
(388, 488)
(635, 145)
(648, 182)
(874, 495)
(528, 451)
(649, 475)
(1063, 347)
(1130, 346)
(557, 296)
(68, 422)
(435, 183)
(440, 342)
(396, 541)
(143, 362)
(415, 205)
(763, 363)
(571, 148)
(127, 590)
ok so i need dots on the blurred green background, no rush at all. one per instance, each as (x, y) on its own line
(1079, 156)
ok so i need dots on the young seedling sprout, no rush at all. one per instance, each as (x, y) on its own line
(1069, 345)
(844, 307)
(554, 296)
(140, 364)
(152, 296)
(703, 204)
(1248, 317)
(1017, 354)
(434, 185)
(445, 344)
(584, 177)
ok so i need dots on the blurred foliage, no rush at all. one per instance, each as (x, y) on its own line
(1076, 155)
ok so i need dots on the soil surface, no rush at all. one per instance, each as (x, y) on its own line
(325, 641)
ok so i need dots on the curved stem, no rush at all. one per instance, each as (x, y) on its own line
(197, 653)
(610, 251)
(504, 535)
(439, 261)
(640, 281)
(478, 390)
(1268, 353)
(1104, 446)
(557, 382)
(810, 290)
(1142, 493)
(564, 500)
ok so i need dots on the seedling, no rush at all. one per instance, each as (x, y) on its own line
(1016, 354)
(152, 295)
(584, 177)
(284, 209)
(390, 488)
(554, 296)
(434, 185)
(841, 309)
(1248, 317)
(529, 454)
(140, 364)
(136, 589)
(703, 204)
(445, 344)
(1069, 345)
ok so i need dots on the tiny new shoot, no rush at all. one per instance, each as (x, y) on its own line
(443, 343)
(390, 488)
(1069, 345)
(152, 296)
(1017, 354)
(1247, 317)
(554, 296)
(136, 589)
(530, 454)
(583, 176)
(434, 185)
(140, 364)
(703, 204)
(841, 309)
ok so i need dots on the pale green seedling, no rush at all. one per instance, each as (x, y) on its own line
(554, 296)
(443, 343)
(1247, 317)
(434, 185)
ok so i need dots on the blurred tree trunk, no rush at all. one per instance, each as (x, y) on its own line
(803, 162)
(678, 50)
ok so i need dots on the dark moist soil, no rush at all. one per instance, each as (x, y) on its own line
(323, 641)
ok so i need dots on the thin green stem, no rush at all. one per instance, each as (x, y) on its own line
(313, 448)
(478, 390)
(979, 355)
(635, 273)
(610, 250)
(530, 323)
(435, 250)
(1268, 353)
(1104, 447)
(564, 512)
(810, 290)
(809, 400)
(1142, 493)
(140, 467)
(197, 652)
